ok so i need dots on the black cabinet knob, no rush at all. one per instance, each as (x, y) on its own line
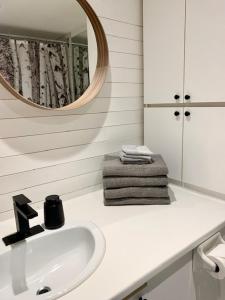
(187, 97)
(187, 113)
(176, 97)
(176, 113)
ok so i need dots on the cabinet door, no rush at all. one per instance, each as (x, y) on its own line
(175, 283)
(205, 50)
(204, 148)
(163, 135)
(163, 50)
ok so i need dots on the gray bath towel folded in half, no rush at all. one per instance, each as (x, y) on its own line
(136, 150)
(136, 192)
(144, 157)
(112, 166)
(119, 182)
(134, 161)
(137, 201)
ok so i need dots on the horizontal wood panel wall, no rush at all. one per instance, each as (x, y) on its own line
(44, 152)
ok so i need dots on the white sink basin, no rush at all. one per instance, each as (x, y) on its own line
(54, 262)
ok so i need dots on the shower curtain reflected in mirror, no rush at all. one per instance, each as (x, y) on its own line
(40, 71)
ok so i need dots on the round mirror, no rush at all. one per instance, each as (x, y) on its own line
(53, 54)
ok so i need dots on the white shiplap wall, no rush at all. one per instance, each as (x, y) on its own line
(44, 152)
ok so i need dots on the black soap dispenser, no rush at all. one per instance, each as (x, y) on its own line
(53, 212)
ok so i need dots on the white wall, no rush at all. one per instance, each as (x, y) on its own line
(61, 152)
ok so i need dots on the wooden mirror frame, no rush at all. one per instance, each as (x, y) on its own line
(100, 72)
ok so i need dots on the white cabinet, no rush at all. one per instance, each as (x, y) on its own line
(205, 48)
(193, 148)
(175, 283)
(184, 46)
(163, 49)
(204, 148)
(163, 134)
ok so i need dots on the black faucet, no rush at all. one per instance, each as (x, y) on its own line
(23, 213)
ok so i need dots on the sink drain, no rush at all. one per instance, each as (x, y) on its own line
(43, 290)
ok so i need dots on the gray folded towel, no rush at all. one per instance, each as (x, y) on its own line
(136, 192)
(134, 162)
(119, 182)
(136, 150)
(112, 166)
(144, 157)
(137, 201)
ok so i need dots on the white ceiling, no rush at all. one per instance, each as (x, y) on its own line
(52, 16)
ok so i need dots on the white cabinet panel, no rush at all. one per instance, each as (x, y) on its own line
(175, 283)
(204, 148)
(205, 49)
(163, 134)
(164, 23)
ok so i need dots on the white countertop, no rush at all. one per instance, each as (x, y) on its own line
(140, 240)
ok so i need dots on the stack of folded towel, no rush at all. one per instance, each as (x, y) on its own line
(135, 183)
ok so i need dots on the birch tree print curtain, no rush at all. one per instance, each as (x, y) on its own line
(40, 71)
(81, 70)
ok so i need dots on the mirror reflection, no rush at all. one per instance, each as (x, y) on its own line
(48, 51)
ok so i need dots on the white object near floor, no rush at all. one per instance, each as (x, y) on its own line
(175, 283)
(208, 284)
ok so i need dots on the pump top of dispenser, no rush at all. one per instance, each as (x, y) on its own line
(52, 199)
